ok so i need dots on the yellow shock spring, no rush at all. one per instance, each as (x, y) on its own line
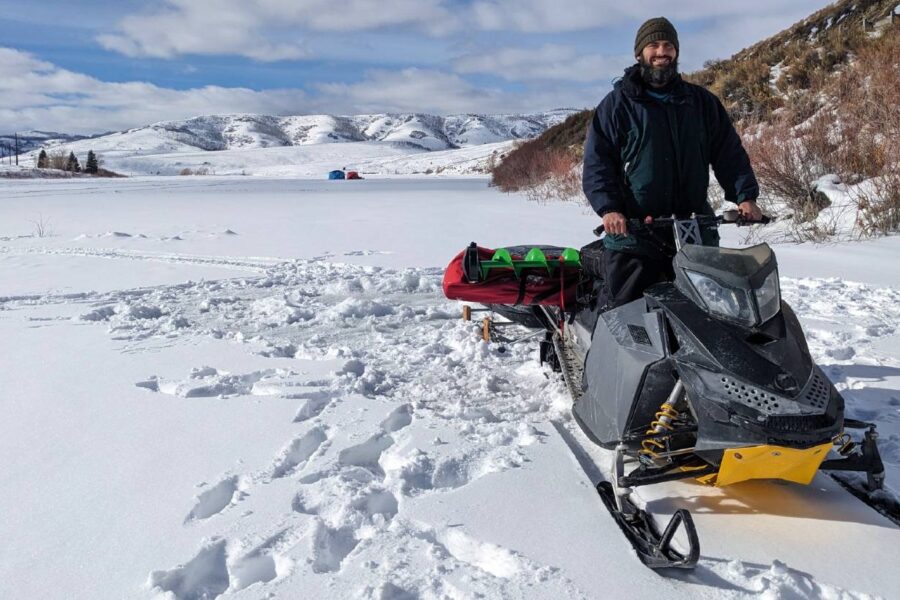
(664, 422)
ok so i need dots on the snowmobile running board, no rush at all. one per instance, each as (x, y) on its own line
(654, 550)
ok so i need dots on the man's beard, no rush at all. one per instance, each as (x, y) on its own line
(659, 76)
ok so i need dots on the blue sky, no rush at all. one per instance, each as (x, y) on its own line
(92, 66)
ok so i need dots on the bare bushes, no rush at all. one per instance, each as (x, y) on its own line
(854, 133)
(879, 204)
(197, 171)
(547, 167)
(562, 179)
(58, 159)
(522, 168)
(870, 131)
(543, 173)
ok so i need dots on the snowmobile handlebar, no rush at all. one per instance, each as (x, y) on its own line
(729, 217)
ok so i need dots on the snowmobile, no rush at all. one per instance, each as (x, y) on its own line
(707, 376)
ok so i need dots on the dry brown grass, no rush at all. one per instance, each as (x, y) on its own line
(855, 134)
(545, 162)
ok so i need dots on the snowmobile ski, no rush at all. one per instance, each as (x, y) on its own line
(654, 549)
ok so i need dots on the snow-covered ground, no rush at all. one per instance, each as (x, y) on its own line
(254, 387)
(306, 161)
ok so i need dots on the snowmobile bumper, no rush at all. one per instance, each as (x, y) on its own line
(771, 462)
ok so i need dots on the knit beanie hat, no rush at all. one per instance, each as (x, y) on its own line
(655, 30)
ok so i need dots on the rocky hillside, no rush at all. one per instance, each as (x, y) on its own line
(784, 73)
(781, 70)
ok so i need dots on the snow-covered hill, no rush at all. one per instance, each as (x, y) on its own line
(31, 140)
(306, 145)
(245, 131)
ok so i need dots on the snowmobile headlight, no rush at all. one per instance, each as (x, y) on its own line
(768, 297)
(721, 299)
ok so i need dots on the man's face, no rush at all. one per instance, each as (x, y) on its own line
(659, 63)
(659, 55)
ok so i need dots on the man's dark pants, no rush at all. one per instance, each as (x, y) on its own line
(626, 276)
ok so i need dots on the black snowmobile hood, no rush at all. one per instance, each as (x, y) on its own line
(759, 355)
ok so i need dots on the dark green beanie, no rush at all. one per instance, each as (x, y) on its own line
(655, 30)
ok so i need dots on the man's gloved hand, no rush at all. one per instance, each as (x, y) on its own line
(614, 222)
(749, 210)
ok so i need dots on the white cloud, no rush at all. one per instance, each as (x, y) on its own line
(223, 27)
(438, 92)
(35, 94)
(414, 90)
(544, 16)
(38, 95)
(550, 62)
(248, 27)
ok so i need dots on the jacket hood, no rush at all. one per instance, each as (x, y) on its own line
(633, 86)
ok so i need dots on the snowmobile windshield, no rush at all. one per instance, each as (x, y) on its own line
(738, 284)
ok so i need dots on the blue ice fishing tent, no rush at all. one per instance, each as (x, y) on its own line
(336, 174)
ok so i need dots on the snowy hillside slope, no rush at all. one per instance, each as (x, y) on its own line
(311, 145)
(313, 160)
(30, 140)
(250, 387)
(244, 131)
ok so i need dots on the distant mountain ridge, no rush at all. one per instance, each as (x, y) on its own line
(31, 140)
(247, 131)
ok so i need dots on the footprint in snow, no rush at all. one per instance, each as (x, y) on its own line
(498, 561)
(262, 564)
(296, 454)
(315, 403)
(204, 576)
(330, 546)
(399, 418)
(216, 499)
(367, 454)
(208, 382)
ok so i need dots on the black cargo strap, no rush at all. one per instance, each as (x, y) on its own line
(523, 280)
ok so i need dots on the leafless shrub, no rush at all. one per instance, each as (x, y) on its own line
(186, 171)
(878, 201)
(543, 173)
(41, 226)
(870, 133)
(786, 168)
(562, 181)
(58, 159)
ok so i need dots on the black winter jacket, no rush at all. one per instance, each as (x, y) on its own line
(648, 157)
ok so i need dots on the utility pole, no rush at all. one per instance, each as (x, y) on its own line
(17, 148)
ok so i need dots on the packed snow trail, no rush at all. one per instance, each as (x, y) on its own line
(421, 457)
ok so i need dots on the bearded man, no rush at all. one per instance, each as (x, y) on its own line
(648, 151)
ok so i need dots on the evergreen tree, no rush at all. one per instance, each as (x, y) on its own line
(90, 165)
(43, 161)
(72, 164)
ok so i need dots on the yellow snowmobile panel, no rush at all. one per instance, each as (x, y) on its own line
(771, 462)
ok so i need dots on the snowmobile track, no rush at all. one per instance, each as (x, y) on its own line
(882, 503)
